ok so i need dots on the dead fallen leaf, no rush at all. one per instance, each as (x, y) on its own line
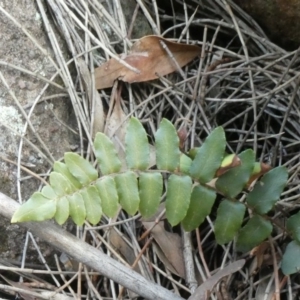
(115, 128)
(265, 289)
(116, 123)
(259, 253)
(149, 57)
(123, 248)
(182, 134)
(205, 288)
(93, 96)
(170, 244)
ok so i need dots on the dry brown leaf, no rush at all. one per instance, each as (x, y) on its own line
(265, 289)
(126, 252)
(259, 253)
(149, 57)
(171, 248)
(123, 248)
(182, 134)
(204, 289)
(94, 98)
(115, 127)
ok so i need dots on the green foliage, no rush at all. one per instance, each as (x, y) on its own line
(209, 156)
(61, 168)
(92, 203)
(232, 182)
(290, 261)
(293, 225)
(201, 203)
(80, 168)
(106, 154)
(167, 146)
(253, 233)
(77, 190)
(229, 219)
(185, 164)
(151, 188)
(108, 194)
(77, 208)
(137, 147)
(268, 190)
(127, 187)
(178, 198)
(37, 208)
(60, 184)
(62, 210)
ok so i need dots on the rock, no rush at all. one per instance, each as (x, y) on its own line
(17, 49)
(279, 19)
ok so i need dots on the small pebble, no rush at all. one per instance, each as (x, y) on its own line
(32, 54)
(22, 84)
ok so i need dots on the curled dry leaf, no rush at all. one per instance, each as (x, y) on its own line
(182, 134)
(170, 248)
(94, 98)
(266, 286)
(115, 128)
(262, 258)
(205, 288)
(149, 57)
(123, 248)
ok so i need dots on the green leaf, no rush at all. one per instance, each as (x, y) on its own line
(77, 208)
(92, 203)
(293, 226)
(268, 190)
(62, 210)
(291, 258)
(256, 168)
(60, 184)
(227, 161)
(185, 164)
(61, 168)
(151, 187)
(193, 152)
(48, 192)
(80, 168)
(231, 183)
(202, 200)
(229, 220)
(106, 155)
(136, 146)
(209, 156)
(253, 233)
(127, 187)
(167, 146)
(37, 208)
(109, 197)
(179, 190)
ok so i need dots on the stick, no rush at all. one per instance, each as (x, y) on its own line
(88, 255)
